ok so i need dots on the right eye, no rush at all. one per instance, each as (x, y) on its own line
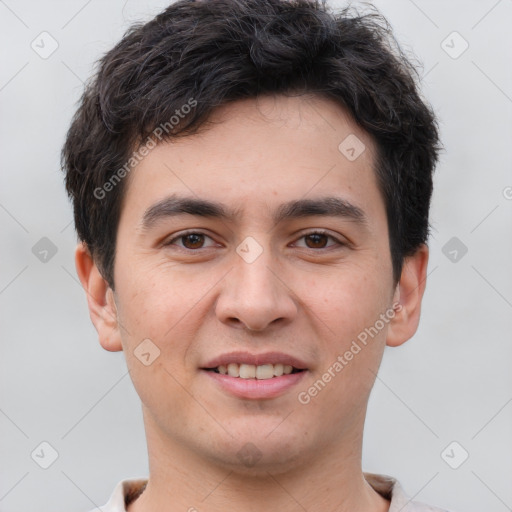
(190, 240)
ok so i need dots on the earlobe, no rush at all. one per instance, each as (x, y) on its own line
(100, 300)
(407, 298)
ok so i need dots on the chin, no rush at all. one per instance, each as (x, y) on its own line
(259, 449)
(256, 461)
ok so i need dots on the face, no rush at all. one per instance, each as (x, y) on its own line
(252, 247)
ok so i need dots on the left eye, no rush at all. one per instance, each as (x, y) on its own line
(318, 240)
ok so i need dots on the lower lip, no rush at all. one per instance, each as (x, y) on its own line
(256, 389)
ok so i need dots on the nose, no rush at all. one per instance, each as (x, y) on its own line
(254, 294)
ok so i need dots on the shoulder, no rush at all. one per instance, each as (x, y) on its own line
(392, 490)
(122, 494)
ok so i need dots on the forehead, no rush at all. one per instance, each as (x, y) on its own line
(255, 152)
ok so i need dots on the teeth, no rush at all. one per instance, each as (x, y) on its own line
(278, 370)
(251, 371)
(265, 371)
(247, 371)
(233, 370)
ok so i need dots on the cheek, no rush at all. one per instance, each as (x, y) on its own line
(351, 344)
(164, 307)
(155, 339)
(347, 300)
(153, 299)
(346, 307)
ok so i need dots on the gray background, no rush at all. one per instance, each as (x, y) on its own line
(451, 382)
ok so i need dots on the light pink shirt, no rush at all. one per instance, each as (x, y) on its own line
(386, 486)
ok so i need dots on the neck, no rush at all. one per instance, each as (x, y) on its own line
(331, 479)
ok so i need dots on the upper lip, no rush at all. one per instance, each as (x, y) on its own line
(256, 359)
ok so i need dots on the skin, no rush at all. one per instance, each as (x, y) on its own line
(306, 297)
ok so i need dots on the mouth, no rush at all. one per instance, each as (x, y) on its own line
(251, 371)
(255, 376)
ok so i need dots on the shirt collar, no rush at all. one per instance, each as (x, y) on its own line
(387, 486)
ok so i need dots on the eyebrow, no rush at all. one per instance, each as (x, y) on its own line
(174, 205)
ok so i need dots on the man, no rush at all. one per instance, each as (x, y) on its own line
(251, 183)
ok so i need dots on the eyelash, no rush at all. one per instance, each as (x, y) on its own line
(304, 235)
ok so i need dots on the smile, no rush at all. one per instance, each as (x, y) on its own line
(251, 371)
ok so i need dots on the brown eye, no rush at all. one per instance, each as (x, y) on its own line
(192, 240)
(319, 240)
(316, 240)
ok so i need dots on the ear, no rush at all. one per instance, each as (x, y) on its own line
(100, 299)
(407, 299)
